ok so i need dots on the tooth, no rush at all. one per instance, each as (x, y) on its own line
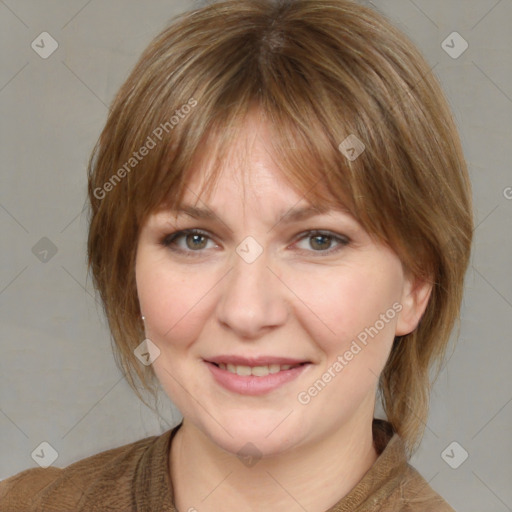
(260, 371)
(243, 370)
(257, 371)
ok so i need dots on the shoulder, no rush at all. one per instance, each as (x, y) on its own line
(68, 488)
(18, 491)
(392, 484)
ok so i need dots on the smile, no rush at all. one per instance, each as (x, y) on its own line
(256, 376)
(256, 371)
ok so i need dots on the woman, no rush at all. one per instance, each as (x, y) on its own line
(280, 228)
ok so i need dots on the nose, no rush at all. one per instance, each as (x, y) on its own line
(253, 300)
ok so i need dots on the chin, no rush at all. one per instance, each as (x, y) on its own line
(265, 436)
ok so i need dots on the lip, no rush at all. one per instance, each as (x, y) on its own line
(250, 384)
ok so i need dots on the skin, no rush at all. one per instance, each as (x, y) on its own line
(298, 299)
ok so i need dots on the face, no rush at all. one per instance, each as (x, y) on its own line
(272, 328)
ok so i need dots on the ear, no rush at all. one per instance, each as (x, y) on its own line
(415, 296)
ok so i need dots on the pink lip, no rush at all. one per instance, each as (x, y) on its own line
(251, 385)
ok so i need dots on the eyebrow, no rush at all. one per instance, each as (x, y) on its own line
(286, 217)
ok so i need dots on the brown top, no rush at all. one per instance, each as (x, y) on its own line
(135, 477)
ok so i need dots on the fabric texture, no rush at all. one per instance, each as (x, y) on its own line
(136, 477)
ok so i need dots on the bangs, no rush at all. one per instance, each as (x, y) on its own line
(309, 165)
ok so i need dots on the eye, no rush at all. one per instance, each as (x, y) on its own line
(194, 241)
(191, 242)
(322, 241)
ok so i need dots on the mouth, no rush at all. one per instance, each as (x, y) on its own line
(255, 376)
(256, 371)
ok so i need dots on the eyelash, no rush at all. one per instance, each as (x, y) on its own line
(170, 239)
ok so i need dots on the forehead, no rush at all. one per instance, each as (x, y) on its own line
(247, 167)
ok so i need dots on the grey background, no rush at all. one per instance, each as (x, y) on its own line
(58, 379)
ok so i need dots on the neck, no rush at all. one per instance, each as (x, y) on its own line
(312, 477)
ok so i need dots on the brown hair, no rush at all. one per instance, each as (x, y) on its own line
(320, 71)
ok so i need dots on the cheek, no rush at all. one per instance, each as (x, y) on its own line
(173, 302)
(348, 303)
(357, 304)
